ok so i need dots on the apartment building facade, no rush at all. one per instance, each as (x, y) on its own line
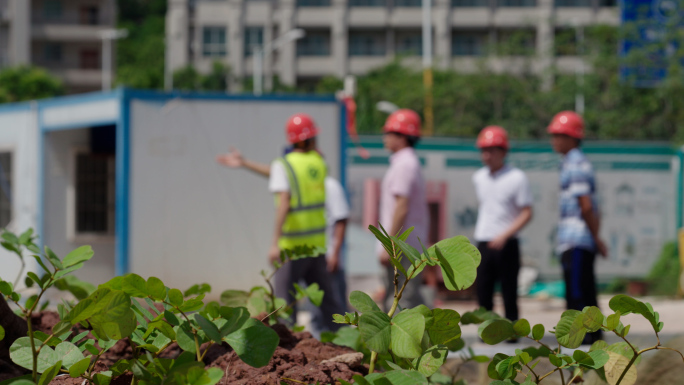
(353, 36)
(59, 35)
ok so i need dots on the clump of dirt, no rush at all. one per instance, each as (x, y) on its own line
(299, 357)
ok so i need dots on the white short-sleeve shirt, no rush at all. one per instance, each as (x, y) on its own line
(502, 196)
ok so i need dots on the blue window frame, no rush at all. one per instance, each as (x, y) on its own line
(314, 43)
(253, 36)
(214, 41)
(517, 3)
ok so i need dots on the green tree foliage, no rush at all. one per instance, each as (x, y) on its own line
(27, 83)
(140, 56)
(189, 79)
(465, 103)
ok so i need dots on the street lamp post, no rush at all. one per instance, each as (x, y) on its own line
(260, 53)
(427, 65)
(107, 36)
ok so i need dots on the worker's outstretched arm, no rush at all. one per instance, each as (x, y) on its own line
(520, 221)
(234, 159)
(281, 213)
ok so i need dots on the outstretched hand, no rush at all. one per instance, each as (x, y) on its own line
(232, 159)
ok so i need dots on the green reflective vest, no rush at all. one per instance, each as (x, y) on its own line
(305, 223)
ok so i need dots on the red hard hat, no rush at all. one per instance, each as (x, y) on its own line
(567, 123)
(492, 136)
(300, 127)
(403, 121)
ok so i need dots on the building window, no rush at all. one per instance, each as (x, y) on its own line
(607, 3)
(408, 3)
(468, 43)
(516, 42)
(52, 9)
(5, 188)
(214, 41)
(53, 52)
(253, 36)
(517, 3)
(95, 181)
(315, 43)
(469, 3)
(367, 3)
(565, 42)
(409, 43)
(313, 3)
(573, 3)
(90, 59)
(367, 44)
(90, 15)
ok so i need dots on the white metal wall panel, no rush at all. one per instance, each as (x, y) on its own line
(193, 220)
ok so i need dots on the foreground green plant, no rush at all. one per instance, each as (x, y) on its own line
(144, 312)
(415, 342)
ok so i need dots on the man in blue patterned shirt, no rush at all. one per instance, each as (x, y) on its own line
(578, 239)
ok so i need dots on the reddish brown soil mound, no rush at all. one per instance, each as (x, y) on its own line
(298, 357)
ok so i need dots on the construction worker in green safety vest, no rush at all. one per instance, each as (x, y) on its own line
(298, 182)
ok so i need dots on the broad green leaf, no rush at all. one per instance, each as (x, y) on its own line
(2, 333)
(598, 345)
(600, 357)
(114, 318)
(495, 331)
(458, 260)
(171, 318)
(491, 368)
(81, 254)
(193, 304)
(103, 378)
(68, 270)
(208, 328)
(21, 354)
(40, 262)
(522, 327)
(362, 302)
(406, 334)
(431, 360)
(23, 380)
(583, 358)
(593, 318)
(68, 353)
(386, 243)
(375, 329)
(570, 330)
(235, 318)
(6, 288)
(456, 344)
(315, 294)
(175, 297)
(77, 369)
(348, 336)
(26, 237)
(397, 264)
(213, 376)
(614, 368)
(442, 326)
(34, 278)
(134, 285)
(31, 301)
(405, 377)
(155, 288)
(10, 237)
(613, 321)
(185, 338)
(50, 373)
(233, 298)
(506, 368)
(163, 327)
(254, 343)
(625, 305)
(80, 289)
(555, 360)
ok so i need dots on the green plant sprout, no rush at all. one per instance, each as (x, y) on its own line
(144, 312)
(261, 300)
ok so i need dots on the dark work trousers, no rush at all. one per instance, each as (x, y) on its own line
(309, 270)
(502, 266)
(580, 283)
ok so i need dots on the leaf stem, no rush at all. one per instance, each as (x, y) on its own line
(573, 378)
(562, 376)
(533, 372)
(540, 343)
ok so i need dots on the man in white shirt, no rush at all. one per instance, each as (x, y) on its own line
(505, 208)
